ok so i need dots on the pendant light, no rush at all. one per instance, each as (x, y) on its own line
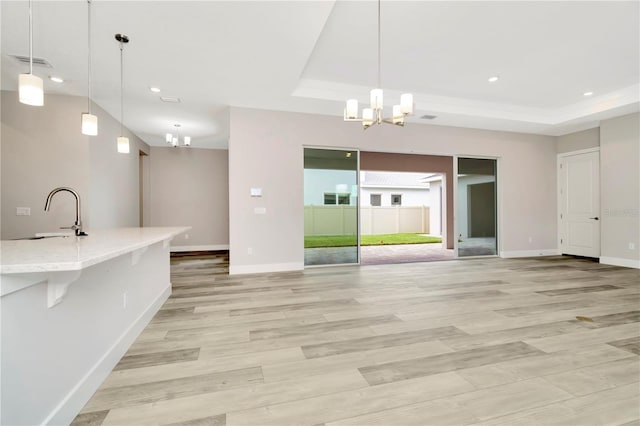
(89, 121)
(30, 87)
(123, 142)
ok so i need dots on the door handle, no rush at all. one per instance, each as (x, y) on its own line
(594, 218)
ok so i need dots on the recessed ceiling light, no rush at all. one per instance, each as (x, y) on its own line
(587, 93)
(56, 79)
(170, 99)
(155, 89)
(494, 79)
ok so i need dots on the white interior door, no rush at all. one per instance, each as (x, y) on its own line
(579, 187)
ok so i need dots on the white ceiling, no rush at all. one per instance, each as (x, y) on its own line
(310, 56)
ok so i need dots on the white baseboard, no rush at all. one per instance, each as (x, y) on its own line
(213, 247)
(66, 411)
(617, 261)
(529, 253)
(270, 267)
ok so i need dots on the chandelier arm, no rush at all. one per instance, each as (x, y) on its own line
(386, 120)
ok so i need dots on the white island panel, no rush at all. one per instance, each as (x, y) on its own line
(54, 358)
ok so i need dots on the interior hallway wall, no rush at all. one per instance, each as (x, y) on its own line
(266, 151)
(190, 187)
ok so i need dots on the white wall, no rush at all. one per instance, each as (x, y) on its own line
(620, 190)
(43, 148)
(266, 150)
(190, 187)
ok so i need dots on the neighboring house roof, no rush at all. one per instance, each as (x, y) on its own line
(393, 180)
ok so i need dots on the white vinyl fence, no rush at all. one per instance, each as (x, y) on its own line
(341, 220)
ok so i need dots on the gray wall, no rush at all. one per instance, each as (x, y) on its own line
(580, 140)
(43, 148)
(266, 151)
(190, 187)
(620, 189)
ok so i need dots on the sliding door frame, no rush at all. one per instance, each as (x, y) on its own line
(498, 218)
(357, 152)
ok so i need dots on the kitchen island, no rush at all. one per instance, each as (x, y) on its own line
(70, 308)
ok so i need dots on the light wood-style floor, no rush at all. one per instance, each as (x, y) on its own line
(536, 341)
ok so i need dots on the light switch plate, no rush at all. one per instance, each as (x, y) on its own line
(256, 192)
(23, 211)
(260, 210)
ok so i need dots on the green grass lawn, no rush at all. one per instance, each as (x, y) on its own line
(367, 240)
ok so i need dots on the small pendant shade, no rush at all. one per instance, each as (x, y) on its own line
(31, 90)
(89, 124)
(123, 145)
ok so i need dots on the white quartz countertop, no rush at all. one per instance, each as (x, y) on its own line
(75, 253)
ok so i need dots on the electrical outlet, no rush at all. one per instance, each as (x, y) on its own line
(23, 211)
(632, 246)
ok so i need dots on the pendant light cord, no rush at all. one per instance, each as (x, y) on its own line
(379, 50)
(121, 90)
(30, 40)
(89, 55)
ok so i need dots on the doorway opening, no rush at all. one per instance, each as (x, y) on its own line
(434, 172)
(401, 217)
(477, 207)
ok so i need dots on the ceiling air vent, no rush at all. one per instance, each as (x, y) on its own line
(170, 99)
(36, 61)
(428, 117)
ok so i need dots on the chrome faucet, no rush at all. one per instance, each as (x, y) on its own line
(77, 226)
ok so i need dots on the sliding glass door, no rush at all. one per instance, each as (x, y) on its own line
(476, 207)
(330, 206)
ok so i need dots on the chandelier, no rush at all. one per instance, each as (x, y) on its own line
(374, 114)
(174, 140)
